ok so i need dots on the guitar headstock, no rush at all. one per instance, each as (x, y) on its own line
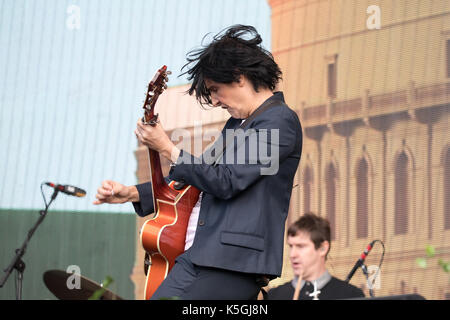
(155, 88)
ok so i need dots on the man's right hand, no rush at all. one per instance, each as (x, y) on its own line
(115, 192)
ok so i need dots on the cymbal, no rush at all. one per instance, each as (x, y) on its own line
(56, 282)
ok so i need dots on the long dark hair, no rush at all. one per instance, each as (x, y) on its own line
(234, 51)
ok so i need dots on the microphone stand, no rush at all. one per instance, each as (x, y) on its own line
(17, 262)
(366, 273)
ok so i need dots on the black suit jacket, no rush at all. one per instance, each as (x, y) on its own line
(244, 205)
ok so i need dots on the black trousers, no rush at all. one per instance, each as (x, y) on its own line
(191, 282)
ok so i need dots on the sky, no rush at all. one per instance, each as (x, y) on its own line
(73, 77)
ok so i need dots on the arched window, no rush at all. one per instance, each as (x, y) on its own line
(447, 190)
(307, 189)
(362, 199)
(330, 181)
(401, 194)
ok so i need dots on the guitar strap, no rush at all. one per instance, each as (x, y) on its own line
(265, 106)
(272, 101)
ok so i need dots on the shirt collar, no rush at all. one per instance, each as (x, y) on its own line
(321, 281)
(277, 95)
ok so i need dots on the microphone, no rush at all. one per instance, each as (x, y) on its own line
(360, 261)
(70, 190)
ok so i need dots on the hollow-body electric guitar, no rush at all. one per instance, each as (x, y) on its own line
(163, 236)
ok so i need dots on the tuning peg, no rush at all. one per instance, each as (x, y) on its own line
(151, 93)
(165, 86)
(169, 72)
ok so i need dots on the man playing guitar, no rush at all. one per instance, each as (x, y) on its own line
(236, 229)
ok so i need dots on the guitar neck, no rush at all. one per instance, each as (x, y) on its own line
(157, 85)
(161, 189)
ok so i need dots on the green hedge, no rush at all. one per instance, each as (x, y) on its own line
(100, 244)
